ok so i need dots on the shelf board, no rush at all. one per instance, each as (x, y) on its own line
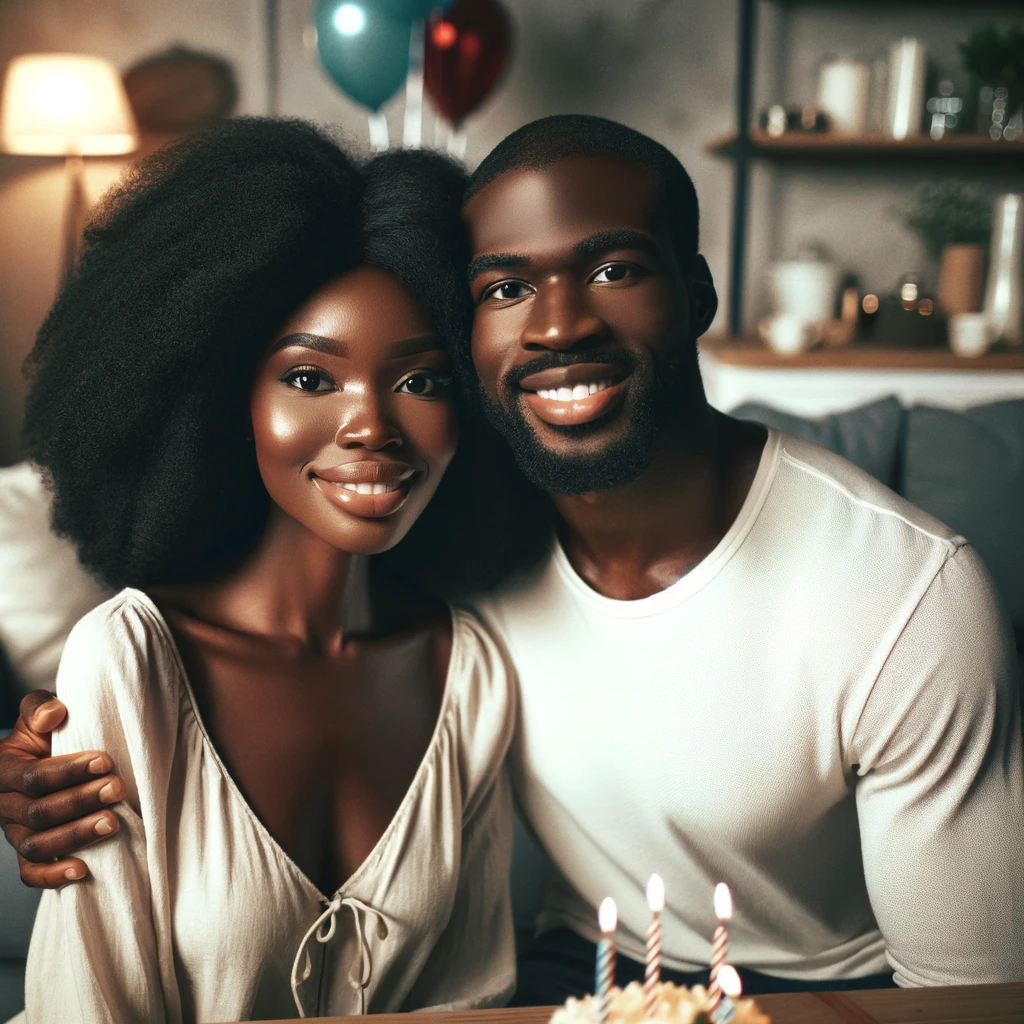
(750, 353)
(834, 147)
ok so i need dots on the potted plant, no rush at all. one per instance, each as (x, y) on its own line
(954, 221)
(995, 60)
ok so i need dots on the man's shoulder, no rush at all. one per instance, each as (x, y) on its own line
(833, 491)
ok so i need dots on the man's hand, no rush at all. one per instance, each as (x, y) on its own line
(51, 807)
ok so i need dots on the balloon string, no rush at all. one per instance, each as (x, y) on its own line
(457, 142)
(412, 136)
(379, 139)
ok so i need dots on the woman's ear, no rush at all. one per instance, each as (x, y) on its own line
(703, 297)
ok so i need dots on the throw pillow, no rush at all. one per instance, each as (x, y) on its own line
(967, 469)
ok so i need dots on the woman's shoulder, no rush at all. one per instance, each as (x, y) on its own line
(120, 655)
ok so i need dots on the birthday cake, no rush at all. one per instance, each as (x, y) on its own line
(675, 1004)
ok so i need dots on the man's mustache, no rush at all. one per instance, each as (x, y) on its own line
(555, 360)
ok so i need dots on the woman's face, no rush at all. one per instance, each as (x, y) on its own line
(352, 413)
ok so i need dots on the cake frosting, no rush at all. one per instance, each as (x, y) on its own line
(675, 1005)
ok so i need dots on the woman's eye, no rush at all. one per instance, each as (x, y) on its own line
(506, 290)
(423, 385)
(309, 380)
(613, 273)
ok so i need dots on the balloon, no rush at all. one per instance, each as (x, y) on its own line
(363, 49)
(409, 9)
(466, 48)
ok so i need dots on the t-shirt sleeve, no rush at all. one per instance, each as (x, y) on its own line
(940, 796)
(101, 948)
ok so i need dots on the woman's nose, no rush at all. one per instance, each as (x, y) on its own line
(365, 423)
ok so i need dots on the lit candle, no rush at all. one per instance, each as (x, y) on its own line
(607, 918)
(652, 974)
(723, 911)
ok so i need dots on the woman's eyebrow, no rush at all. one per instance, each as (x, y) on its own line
(331, 346)
(414, 346)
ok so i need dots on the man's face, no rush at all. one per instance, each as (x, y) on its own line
(584, 326)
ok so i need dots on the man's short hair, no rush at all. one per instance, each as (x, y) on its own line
(541, 143)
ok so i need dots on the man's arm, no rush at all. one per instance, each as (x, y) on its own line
(941, 793)
(51, 807)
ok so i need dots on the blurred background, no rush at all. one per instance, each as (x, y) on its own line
(838, 149)
(860, 167)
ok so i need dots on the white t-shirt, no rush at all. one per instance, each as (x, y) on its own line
(195, 913)
(823, 713)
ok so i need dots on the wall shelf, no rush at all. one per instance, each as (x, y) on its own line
(749, 352)
(797, 146)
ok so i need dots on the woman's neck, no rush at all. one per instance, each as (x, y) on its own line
(293, 587)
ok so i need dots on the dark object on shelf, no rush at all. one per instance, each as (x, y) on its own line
(907, 319)
(180, 89)
(779, 120)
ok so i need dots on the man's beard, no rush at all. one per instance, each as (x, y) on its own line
(659, 391)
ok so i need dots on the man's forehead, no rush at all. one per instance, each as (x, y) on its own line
(570, 199)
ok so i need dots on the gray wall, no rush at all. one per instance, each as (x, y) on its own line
(664, 66)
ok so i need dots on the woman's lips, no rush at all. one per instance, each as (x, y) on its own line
(371, 490)
(568, 400)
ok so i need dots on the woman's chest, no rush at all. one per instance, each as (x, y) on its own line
(323, 751)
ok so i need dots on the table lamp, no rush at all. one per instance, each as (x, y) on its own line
(70, 105)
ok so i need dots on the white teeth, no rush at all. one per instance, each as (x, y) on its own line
(372, 488)
(574, 393)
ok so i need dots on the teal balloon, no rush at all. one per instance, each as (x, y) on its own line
(410, 9)
(364, 49)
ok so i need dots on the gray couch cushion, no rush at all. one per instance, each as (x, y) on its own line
(869, 436)
(967, 469)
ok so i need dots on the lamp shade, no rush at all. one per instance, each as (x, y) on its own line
(61, 104)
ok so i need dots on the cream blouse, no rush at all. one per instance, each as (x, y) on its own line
(194, 913)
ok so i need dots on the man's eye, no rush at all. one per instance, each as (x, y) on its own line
(309, 380)
(506, 290)
(423, 385)
(613, 273)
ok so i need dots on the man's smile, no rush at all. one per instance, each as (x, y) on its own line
(569, 396)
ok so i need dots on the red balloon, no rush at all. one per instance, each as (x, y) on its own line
(466, 49)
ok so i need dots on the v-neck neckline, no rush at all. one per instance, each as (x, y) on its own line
(401, 814)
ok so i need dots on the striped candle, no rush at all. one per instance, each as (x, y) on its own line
(652, 972)
(720, 941)
(604, 975)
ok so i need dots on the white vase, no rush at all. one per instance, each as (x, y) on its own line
(1004, 294)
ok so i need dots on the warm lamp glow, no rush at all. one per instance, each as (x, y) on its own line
(656, 894)
(729, 980)
(607, 915)
(65, 104)
(723, 902)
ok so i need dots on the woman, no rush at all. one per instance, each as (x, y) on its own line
(242, 395)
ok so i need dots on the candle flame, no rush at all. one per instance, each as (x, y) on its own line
(656, 894)
(607, 915)
(723, 902)
(729, 981)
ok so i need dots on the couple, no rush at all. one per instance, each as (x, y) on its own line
(738, 658)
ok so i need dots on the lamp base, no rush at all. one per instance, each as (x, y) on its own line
(74, 213)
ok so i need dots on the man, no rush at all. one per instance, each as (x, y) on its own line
(743, 660)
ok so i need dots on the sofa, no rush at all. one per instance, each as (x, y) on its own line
(966, 468)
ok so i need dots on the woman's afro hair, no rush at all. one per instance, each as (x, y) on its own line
(140, 375)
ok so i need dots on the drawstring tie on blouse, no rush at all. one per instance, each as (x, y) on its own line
(359, 981)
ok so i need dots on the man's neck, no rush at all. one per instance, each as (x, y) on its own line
(635, 540)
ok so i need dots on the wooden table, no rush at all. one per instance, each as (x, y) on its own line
(964, 1004)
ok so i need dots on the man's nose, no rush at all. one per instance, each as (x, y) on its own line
(561, 319)
(365, 422)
